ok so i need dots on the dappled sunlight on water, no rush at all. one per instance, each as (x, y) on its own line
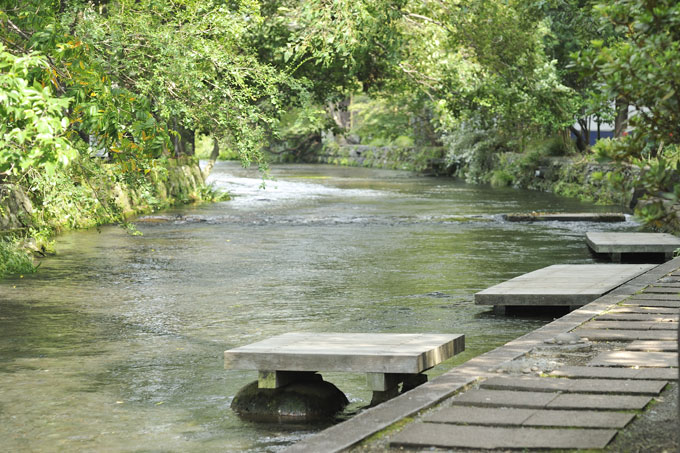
(116, 343)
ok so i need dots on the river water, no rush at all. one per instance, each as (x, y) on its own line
(116, 343)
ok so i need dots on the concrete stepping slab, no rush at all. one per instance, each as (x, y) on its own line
(537, 384)
(579, 419)
(583, 372)
(658, 346)
(646, 296)
(652, 303)
(636, 358)
(666, 285)
(618, 243)
(630, 325)
(650, 317)
(426, 435)
(350, 352)
(625, 335)
(661, 290)
(645, 310)
(503, 416)
(504, 398)
(561, 284)
(599, 402)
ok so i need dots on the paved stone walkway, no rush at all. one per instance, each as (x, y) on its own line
(625, 357)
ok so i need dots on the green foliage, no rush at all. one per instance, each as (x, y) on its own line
(473, 153)
(501, 178)
(33, 130)
(13, 259)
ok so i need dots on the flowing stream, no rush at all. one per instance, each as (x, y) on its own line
(116, 343)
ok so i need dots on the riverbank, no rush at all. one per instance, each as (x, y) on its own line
(84, 197)
(543, 167)
(396, 423)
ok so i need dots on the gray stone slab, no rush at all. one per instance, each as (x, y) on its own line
(636, 358)
(604, 242)
(630, 325)
(645, 310)
(561, 284)
(503, 416)
(667, 285)
(503, 398)
(579, 419)
(625, 335)
(646, 296)
(352, 352)
(658, 346)
(426, 435)
(661, 290)
(537, 384)
(581, 372)
(599, 402)
(651, 303)
(649, 317)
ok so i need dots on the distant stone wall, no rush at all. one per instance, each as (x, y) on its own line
(15, 208)
(421, 159)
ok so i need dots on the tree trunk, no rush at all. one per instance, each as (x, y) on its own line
(621, 120)
(184, 142)
(213, 158)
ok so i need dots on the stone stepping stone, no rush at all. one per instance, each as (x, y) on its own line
(625, 335)
(652, 303)
(620, 243)
(529, 417)
(599, 402)
(651, 317)
(504, 398)
(425, 435)
(631, 325)
(644, 296)
(645, 310)
(560, 284)
(536, 384)
(636, 358)
(659, 346)
(583, 372)
(661, 290)
(666, 285)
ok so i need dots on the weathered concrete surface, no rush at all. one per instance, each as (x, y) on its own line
(353, 352)
(636, 358)
(565, 217)
(626, 335)
(504, 398)
(537, 384)
(631, 316)
(640, 302)
(444, 436)
(631, 325)
(580, 419)
(580, 372)
(658, 297)
(619, 243)
(599, 402)
(646, 310)
(648, 345)
(561, 284)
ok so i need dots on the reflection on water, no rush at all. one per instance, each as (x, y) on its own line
(116, 343)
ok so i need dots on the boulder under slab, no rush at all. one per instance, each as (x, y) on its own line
(305, 401)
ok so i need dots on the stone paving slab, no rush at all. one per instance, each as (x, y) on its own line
(625, 335)
(350, 352)
(469, 415)
(661, 290)
(652, 303)
(636, 358)
(645, 310)
(425, 435)
(614, 242)
(666, 285)
(659, 346)
(538, 384)
(561, 284)
(628, 316)
(578, 372)
(630, 325)
(599, 402)
(504, 398)
(647, 296)
(580, 419)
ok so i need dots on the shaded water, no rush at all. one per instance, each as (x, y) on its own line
(116, 343)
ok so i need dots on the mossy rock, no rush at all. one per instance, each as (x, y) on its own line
(305, 401)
